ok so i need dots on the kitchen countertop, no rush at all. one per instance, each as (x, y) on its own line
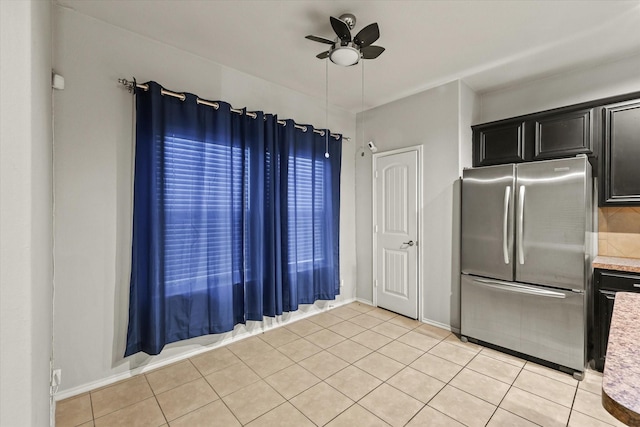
(621, 378)
(615, 263)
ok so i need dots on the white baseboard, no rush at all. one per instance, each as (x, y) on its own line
(272, 323)
(424, 320)
(441, 325)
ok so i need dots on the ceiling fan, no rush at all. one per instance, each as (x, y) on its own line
(346, 50)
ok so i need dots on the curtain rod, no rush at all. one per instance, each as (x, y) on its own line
(181, 96)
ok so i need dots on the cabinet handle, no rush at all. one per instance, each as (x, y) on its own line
(636, 285)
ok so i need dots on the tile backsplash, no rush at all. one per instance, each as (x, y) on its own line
(619, 232)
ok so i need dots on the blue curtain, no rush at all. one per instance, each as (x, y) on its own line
(235, 218)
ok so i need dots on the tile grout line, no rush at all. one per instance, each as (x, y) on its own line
(274, 389)
(542, 397)
(93, 419)
(355, 402)
(409, 365)
(323, 380)
(432, 397)
(505, 395)
(229, 409)
(155, 396)
(126, 405)
(220, 398)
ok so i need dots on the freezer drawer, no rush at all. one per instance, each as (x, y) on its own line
(542, 322)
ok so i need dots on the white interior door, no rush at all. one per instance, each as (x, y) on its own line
(395, 223)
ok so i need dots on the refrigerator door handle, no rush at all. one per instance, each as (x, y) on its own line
(505, 223)
(521, 289)
(521, 224)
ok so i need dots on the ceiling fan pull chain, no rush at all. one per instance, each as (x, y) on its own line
(362, 109)
(326, 109)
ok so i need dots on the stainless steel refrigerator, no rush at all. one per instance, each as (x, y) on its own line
(526, 258)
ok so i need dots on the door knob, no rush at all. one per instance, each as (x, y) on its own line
(410, 243)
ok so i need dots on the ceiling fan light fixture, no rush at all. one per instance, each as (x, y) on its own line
(345, 56)
(346, 50)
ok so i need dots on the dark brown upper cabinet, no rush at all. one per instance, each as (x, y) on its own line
(563, 134)
(500, 143)
(620, 180)
(606, 130)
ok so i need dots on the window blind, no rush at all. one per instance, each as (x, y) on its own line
(203, 189)
(204, 209)
(306, 209)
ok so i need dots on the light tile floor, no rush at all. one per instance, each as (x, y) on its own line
(355, 365)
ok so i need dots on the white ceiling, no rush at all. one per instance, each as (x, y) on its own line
(488, 44)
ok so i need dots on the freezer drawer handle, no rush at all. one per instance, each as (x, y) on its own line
(511, 287)
(521, 224)
(505, 223)
(636, 285)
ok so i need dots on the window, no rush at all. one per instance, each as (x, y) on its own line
(306, 207)
(203, 213)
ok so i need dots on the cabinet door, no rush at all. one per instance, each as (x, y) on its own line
(499, 144)
(607, 283)
(563, 135)
(603, 324)
(620, 181)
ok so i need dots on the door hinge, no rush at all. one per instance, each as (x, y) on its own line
(375, 228)
(375, 283)
(375, 174)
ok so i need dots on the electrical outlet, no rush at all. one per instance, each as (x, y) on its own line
(57, 378)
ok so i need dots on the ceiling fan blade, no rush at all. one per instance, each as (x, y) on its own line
(367, 35)
(319, 39)
(323, 55)
(341, 28)
(371, 52)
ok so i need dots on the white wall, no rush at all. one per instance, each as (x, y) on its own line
(430, 119)
(93, 182)
(469, 114)
(581, 85)
(25, 212)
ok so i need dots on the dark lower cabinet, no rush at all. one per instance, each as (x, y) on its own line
(607, 283)
(620, 181)
(603, 323)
